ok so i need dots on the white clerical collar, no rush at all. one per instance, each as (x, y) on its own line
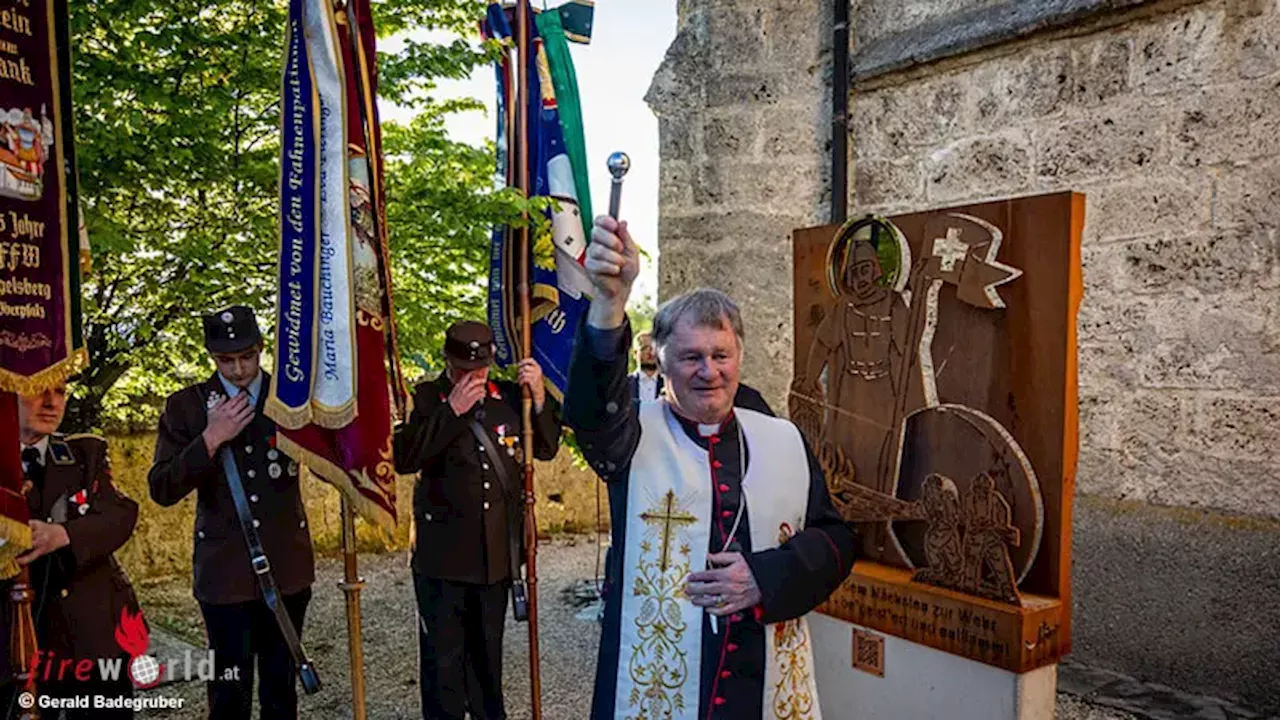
(254, 388)
(714, 428)
(41, 446)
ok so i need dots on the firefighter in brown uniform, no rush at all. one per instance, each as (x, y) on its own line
(78, 520)
(227, 411)
(468, 512)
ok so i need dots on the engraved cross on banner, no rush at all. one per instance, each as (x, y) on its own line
(667, 517)
(965, 256)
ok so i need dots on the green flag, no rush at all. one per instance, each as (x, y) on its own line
(565, 82)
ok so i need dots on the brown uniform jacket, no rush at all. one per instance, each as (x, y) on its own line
(220, 560)
(464, 517)
(80, 590)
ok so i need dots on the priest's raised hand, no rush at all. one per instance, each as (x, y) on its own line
(613, 262)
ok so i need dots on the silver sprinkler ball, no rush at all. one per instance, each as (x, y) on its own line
(619, 164)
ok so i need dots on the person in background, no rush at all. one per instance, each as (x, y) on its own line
(78, 520)
(464, 437)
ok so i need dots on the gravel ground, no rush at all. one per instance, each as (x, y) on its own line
(568, 645)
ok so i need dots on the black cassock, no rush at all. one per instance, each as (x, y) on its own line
(793, 578)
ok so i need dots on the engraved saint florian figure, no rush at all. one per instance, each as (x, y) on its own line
(858, 351)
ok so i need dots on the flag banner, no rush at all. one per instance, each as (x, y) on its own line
(40, 334)
(337, 375)
(40, 339)
(575, 18)
(559, 281)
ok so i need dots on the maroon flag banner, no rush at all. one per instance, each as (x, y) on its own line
(40, 335)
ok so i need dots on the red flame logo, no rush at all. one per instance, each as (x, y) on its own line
(132, 633)
(134, 638)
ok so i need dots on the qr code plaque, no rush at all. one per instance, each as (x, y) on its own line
(868, 652)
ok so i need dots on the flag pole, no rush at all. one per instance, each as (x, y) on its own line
(526, 351)
(22, 642)
(351, 586)
(352, 582)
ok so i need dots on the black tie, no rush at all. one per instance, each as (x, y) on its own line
(35, 469)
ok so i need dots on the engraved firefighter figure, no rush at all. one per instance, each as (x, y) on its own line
(941, 501)
(858, 347)
(987, 537)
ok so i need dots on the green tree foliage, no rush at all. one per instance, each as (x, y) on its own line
(440, 224)
(177, 124)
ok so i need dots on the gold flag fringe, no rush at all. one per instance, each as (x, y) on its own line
(51, 376)
(17, 540)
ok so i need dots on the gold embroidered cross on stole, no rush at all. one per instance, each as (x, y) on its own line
(667, 517)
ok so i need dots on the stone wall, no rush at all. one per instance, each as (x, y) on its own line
(1168, 124)
(1171, 128)
(743, 140)
(1168, 119)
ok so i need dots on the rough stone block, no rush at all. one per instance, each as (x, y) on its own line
(1156, 421)
(735, 35)
(1224, 341)
(1249, 196)
(1014, 89)
(1125, 140)
(1179, 202)
(1237, 428)
(677, 85)
(675, 187)
(1229, 123)
(980, 168)
(754, 186)
(879, 183)
(1200, 362)
(1179, 51)
(742, 89)
(716, 231)
(1100, 69)
(796, 131)
(1106, 366)
(676, 138)
(1253, 33)
(891, 122)
(873, 19)
(1210, 262)
(797, 35)
(734, 270)
(1107, 316)
(731, 137)
(1183, 479)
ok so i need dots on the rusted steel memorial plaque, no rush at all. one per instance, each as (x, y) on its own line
(935, 379)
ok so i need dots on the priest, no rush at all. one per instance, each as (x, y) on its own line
(724, 535)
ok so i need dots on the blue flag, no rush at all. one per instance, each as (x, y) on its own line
(560, 286)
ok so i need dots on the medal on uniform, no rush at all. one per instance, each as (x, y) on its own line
(214, 399)
(273, 454)
(274, 471)
(293, 468)
(505, 440)
(81, 501)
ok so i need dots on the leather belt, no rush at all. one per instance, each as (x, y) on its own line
(266, 582)
(519, 596)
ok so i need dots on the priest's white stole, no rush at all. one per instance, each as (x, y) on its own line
(670, 503)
